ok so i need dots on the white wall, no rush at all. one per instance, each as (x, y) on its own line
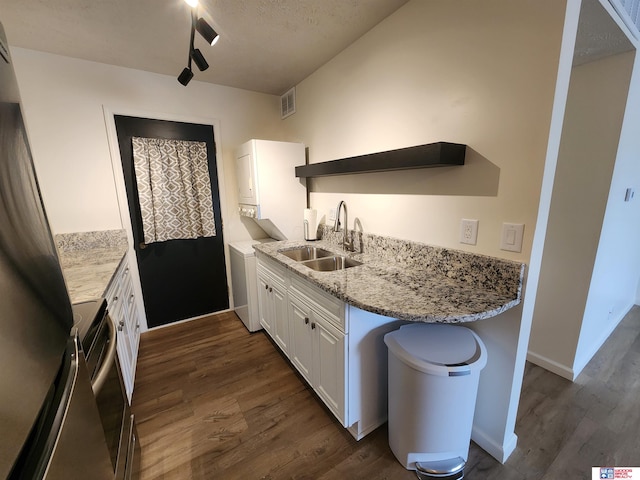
(586, 160)
(590, 264)
(617, 267)
(439, 71)
(478, 73)
(63, 100)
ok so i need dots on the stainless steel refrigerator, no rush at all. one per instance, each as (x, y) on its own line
(49, 423)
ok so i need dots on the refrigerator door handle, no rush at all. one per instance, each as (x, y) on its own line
(98, 381)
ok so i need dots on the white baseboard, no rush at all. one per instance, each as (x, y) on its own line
(500, 452)
(580, 363)
(178, 322)
(354, 429)
(571, 373)
(551, 365)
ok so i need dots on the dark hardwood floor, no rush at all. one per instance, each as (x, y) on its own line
(215, 402)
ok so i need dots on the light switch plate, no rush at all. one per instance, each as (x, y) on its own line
(469, 231)
(511, 238)
(629, 194)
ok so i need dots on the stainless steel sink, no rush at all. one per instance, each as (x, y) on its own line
(330, 264)
(306, 253)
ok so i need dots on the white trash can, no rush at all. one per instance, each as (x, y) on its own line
(434, 371)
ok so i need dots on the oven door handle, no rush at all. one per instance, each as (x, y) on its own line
(98, 381)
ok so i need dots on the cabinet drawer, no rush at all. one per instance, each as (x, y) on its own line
(272, 270)
(332, 307)
(121, 303)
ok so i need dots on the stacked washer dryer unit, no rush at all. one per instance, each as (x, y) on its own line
(271, 195)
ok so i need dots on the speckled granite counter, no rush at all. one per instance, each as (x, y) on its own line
(413, 281)
(89, 260)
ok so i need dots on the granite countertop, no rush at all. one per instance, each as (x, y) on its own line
(412, 281)
(89, 260)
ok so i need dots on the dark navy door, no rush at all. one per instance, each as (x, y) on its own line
(180, 279)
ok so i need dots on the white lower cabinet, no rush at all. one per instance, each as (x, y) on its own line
(317, 350)
(337, 348)
(124, 312)
(329, 368)
(301, 353)
(272, 303)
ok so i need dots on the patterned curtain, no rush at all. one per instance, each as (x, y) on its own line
(174, 189)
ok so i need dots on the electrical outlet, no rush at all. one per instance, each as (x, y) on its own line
(332, 214)
(468, 231)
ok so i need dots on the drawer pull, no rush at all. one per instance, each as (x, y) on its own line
(120, 325)
(270, 289)
(313, 325)
(306, 320)
(266, 287)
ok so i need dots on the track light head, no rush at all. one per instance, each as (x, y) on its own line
(207, 32)
(199, 59)
(185, 76)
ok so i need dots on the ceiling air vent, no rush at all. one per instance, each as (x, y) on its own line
(288, 103)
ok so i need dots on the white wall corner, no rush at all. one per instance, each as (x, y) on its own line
(584, 357)
(499, 451)
(551, 365)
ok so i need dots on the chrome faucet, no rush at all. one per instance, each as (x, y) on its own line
(347, 245)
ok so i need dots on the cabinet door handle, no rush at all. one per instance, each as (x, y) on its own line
(313, 325)
(270, 289)
(120, 325)
(266, 287)
(306, 320)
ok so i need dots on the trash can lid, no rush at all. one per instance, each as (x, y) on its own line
(438, 349)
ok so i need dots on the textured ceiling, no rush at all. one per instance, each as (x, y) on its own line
(598, 34)
(265, 45)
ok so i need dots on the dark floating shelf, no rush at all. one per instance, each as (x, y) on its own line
(440, 154)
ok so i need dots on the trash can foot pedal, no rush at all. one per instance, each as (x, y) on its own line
(450, 469)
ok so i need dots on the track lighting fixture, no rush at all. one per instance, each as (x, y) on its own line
(185, 76)
(208, 33)
(199, 59)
